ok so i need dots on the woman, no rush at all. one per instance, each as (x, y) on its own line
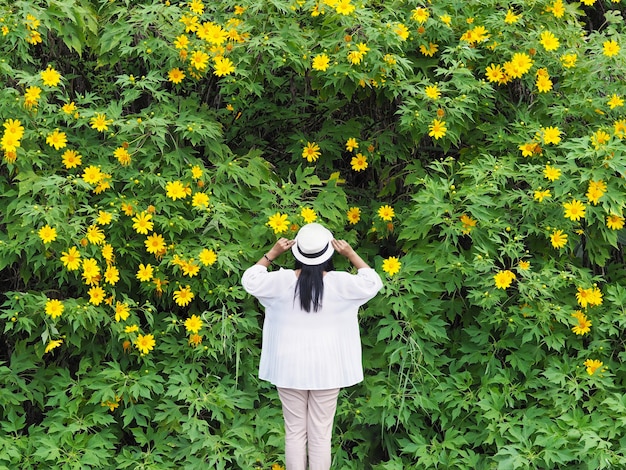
(311, 343)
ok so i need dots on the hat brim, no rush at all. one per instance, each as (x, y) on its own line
(322, 258)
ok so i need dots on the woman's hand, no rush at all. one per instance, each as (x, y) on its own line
(279, 248)
(342, 247)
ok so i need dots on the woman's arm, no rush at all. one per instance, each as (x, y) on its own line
(278, 249)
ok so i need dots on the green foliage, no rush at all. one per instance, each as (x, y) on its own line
(149, 148)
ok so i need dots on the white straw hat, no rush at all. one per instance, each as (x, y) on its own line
(312, 244)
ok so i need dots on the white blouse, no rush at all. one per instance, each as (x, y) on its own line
(311, 350)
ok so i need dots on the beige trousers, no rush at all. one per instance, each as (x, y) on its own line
(309, 416)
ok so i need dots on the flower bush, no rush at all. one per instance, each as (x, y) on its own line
(472, 152)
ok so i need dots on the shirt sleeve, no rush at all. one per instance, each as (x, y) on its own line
(361, 286)
(261, 283)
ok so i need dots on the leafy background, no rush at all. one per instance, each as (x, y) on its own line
(492, 345)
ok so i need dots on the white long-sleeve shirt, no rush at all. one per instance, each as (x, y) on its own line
(311, 350)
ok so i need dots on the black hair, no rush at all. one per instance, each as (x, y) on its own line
(310, 284)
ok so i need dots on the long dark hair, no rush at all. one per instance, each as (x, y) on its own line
(310, 285)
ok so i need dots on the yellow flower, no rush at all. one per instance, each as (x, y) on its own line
(321, 62)
(112, 275)
(610, 48)
(584, 324)
(71, 259)
(420, 15)
(344, 7)
(278, 222)
(47, 234)
(429, 51)
(557, 9)
(91, 271)
(207, 257)
(615, 222)
(175, 75)
(551, 173)
(569, 60)
(199, 60)
(31, 96)
(145, 343)
(615, 101)
(155, 244)
(196, 7)
(57, 139)
(351, 144)
(122, 156)
(144, 273)
(551, 135)
(95, 235)
(588, 297)
(53, 343)
(599, 138)
(540, 195)
(196, 172)
(100, 122)
(223, 66)
(503, 279)
(437, 129)
(175, 190)
(518, 65)
(181, 42)
(311, 152)
(195, 339)
(92, 174)
(308, 215)
(475, 35)
(432, 92)
(193, 324)
(495, 73)
(543, 83)
(122, 310)
(69, 108)
(131, 329)
(523, 265)
(386, 213)
(50, 77)
(446, 19)
(558, 239)
(549, 41)
(107, 252)
(354, 215)
(530, 148)
(595, 191)
(104, 218)
(359, 162)
(96, 295)
(619, 128)
(143, 223)
(391, 265)
(190, 268)
(468, 224)
(511, 17)
(574, 210)
(14, 127)
(54, 308)
(592, 365)
(594, 296)
(183, 296)
(200, 200)
(402, 31)
(71, 159)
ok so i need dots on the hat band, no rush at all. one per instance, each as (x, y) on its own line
(314, 255)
